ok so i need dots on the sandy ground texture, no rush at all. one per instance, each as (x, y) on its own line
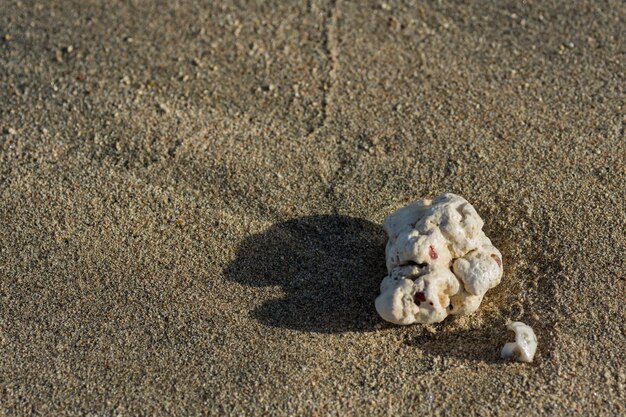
(191, 196)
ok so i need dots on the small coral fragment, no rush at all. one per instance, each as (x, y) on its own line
(525, 345)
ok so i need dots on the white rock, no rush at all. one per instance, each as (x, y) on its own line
(525, 345)
(439, 261)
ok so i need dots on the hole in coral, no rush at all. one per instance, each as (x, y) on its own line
(413, 263)
(497, 259)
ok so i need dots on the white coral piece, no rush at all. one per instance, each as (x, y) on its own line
(439, 261)
(525, 345)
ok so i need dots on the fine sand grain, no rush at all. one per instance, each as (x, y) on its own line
(192, 193)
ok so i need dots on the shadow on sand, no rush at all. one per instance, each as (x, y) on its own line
(329, 266)
(480, 344)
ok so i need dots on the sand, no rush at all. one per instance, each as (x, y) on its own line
(192, 194)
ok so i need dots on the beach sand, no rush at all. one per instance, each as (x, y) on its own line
(192, 197)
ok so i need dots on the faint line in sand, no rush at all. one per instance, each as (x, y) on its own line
(331, 45)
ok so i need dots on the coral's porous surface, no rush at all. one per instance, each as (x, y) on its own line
(439, 262)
